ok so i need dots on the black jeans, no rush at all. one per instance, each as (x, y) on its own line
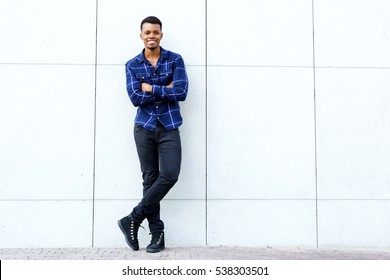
(159, 153)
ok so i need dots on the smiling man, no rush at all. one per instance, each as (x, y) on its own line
(156, 83)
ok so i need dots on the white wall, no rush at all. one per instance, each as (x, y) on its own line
(285, 139)
(353, 137)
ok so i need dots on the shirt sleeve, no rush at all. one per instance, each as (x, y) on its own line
(134, 89)
(180, 84)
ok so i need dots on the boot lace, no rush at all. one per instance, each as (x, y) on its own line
(134, 230)
(156, 237)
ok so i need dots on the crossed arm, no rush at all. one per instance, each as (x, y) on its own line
(142, 93)
(149, 88)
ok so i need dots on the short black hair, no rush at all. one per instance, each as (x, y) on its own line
(152, 20)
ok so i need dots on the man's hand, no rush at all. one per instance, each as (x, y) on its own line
(147, 88)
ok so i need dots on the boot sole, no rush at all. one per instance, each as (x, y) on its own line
(148, 250)
(127, 241)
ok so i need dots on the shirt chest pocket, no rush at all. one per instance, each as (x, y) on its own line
(166, 77)
(143, 77)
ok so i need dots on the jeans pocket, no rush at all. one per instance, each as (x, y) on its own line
(137, 128)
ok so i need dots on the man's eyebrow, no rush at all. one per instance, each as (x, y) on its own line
(147, 30)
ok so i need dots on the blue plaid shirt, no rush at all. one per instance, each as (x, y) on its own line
(162, 104)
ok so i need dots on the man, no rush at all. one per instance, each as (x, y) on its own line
(156, 82)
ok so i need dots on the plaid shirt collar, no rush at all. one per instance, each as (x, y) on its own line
(163, 56)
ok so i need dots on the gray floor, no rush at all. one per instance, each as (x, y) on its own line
(195, 253)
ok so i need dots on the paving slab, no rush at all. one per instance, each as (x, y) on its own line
(193, 253)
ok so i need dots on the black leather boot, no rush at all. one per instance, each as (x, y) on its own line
(130, 227)
(157, 244)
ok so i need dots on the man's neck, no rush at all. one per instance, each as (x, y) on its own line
(152, 54)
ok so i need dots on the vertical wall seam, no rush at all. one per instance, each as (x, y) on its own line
(94, 132)
(206, 134)
(315, 126)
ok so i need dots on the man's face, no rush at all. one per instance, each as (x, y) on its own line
(151, 35)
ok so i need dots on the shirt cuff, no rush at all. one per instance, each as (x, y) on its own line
(158, 91)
